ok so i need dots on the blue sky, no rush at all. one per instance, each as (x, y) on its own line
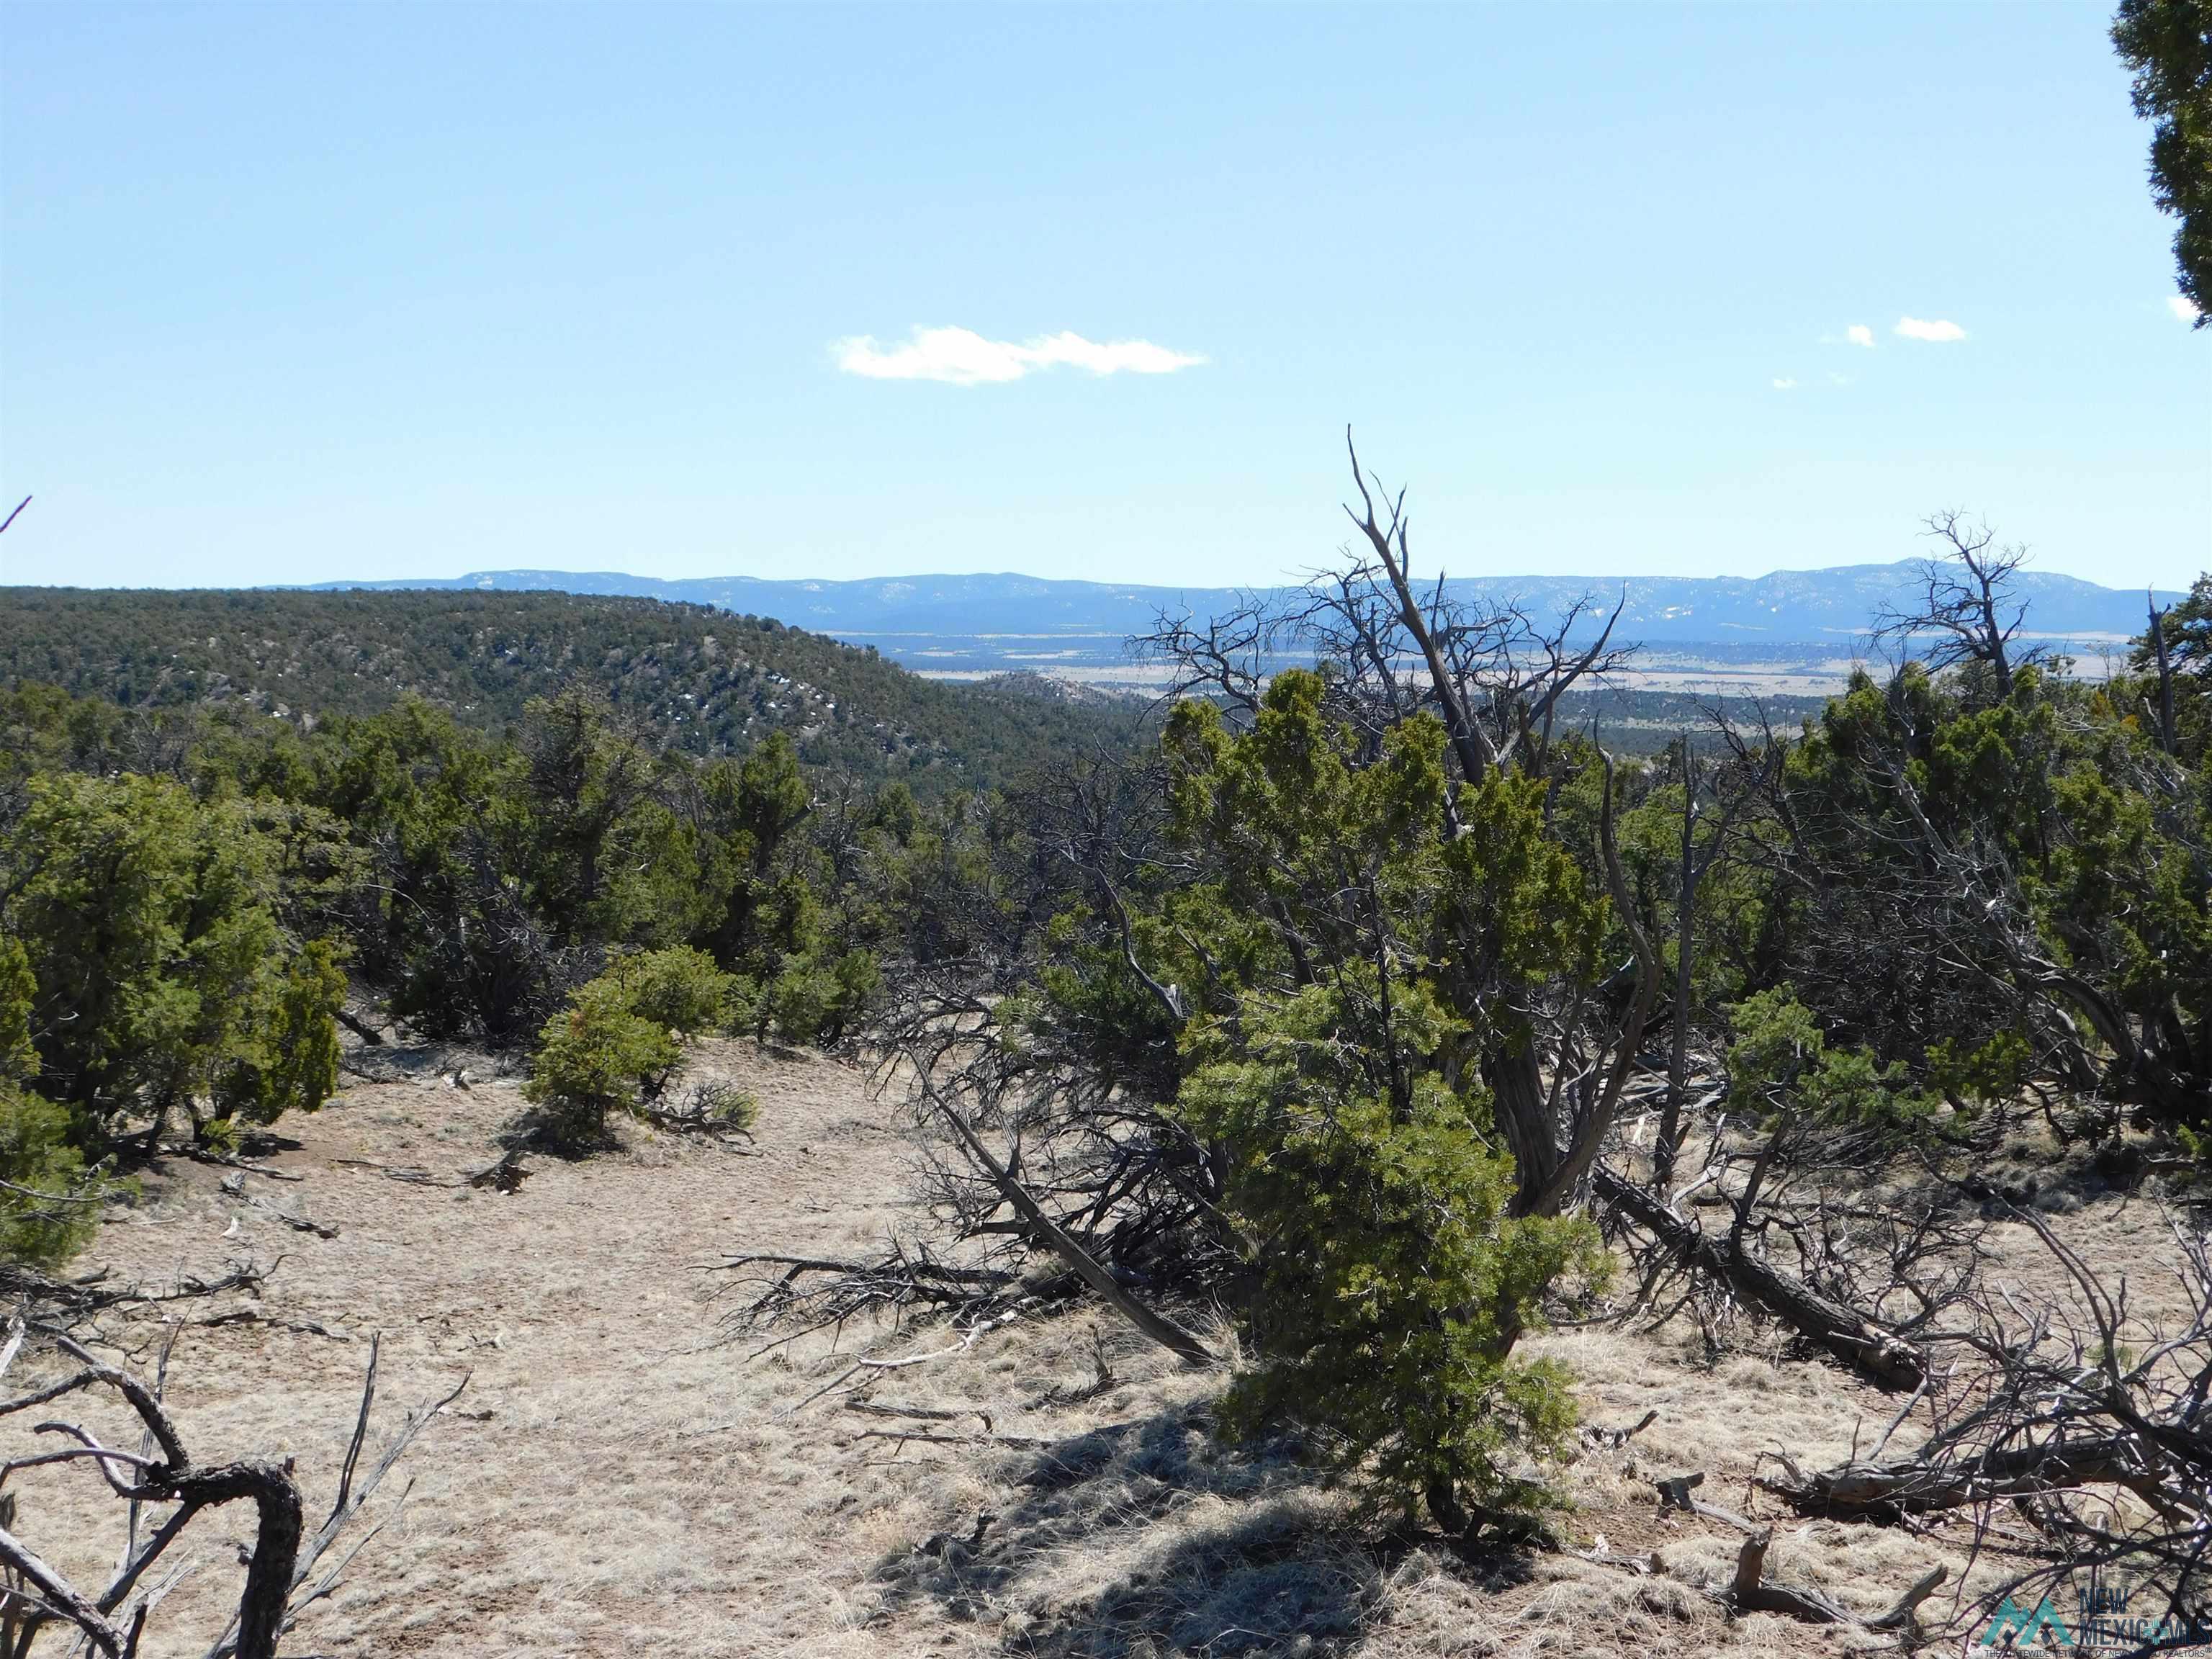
(290, 294)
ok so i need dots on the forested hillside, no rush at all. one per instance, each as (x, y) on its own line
(715, 683)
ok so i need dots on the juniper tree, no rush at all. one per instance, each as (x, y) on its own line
(2167, 45)
(162, 981)
(616, 1043)
(48, 1205)
(1328, 957)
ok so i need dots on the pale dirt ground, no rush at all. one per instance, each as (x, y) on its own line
(616, 1480)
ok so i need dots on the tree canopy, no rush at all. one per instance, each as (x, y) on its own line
(2168, 46)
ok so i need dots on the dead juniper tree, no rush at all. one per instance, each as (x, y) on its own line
(281, 1566)
(1967, 608)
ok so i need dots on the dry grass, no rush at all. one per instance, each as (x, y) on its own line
(616, 1481)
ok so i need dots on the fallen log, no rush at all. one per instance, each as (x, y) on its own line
(1890, 1491)
(1842, 1332)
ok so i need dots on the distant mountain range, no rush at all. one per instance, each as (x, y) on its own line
(980, 624)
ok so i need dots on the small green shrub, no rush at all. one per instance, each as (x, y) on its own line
(593, 1056)
(681, 989)
(621, 1037)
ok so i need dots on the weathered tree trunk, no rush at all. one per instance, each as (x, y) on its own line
(276, 1544)
(1848, 1335)
(1522, 1109)
(1885, 1491)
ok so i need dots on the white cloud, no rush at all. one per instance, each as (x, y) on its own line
(1915, 328)
(1782, 384)
(960, 356)
(1860, 334)
(2183, 308)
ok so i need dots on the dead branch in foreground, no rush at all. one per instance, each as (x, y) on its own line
(2086, 1419)
(71, 1303)
(1845, 1332)
(806, 1294)
(1751, 1593)
(278, 1566)
(1153, 1323)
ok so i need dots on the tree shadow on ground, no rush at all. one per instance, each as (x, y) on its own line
(1151, 1538)
(266, 1143)
(2076, 1178)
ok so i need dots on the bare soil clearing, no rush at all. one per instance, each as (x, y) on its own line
(618, 1478)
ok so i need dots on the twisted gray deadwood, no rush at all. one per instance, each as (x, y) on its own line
(1156, 1325)
(172, 1478)
(277, 1564)
(1886, 1491)
(1845, 1332)
(1751, 1593)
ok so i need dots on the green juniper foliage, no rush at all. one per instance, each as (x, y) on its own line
(1936, 857)
(162, 981)
(1330, 1061)
(1780, 1066)
(1391, 1279)
(2167, 45)
(622, 1036)
(36, 1154)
